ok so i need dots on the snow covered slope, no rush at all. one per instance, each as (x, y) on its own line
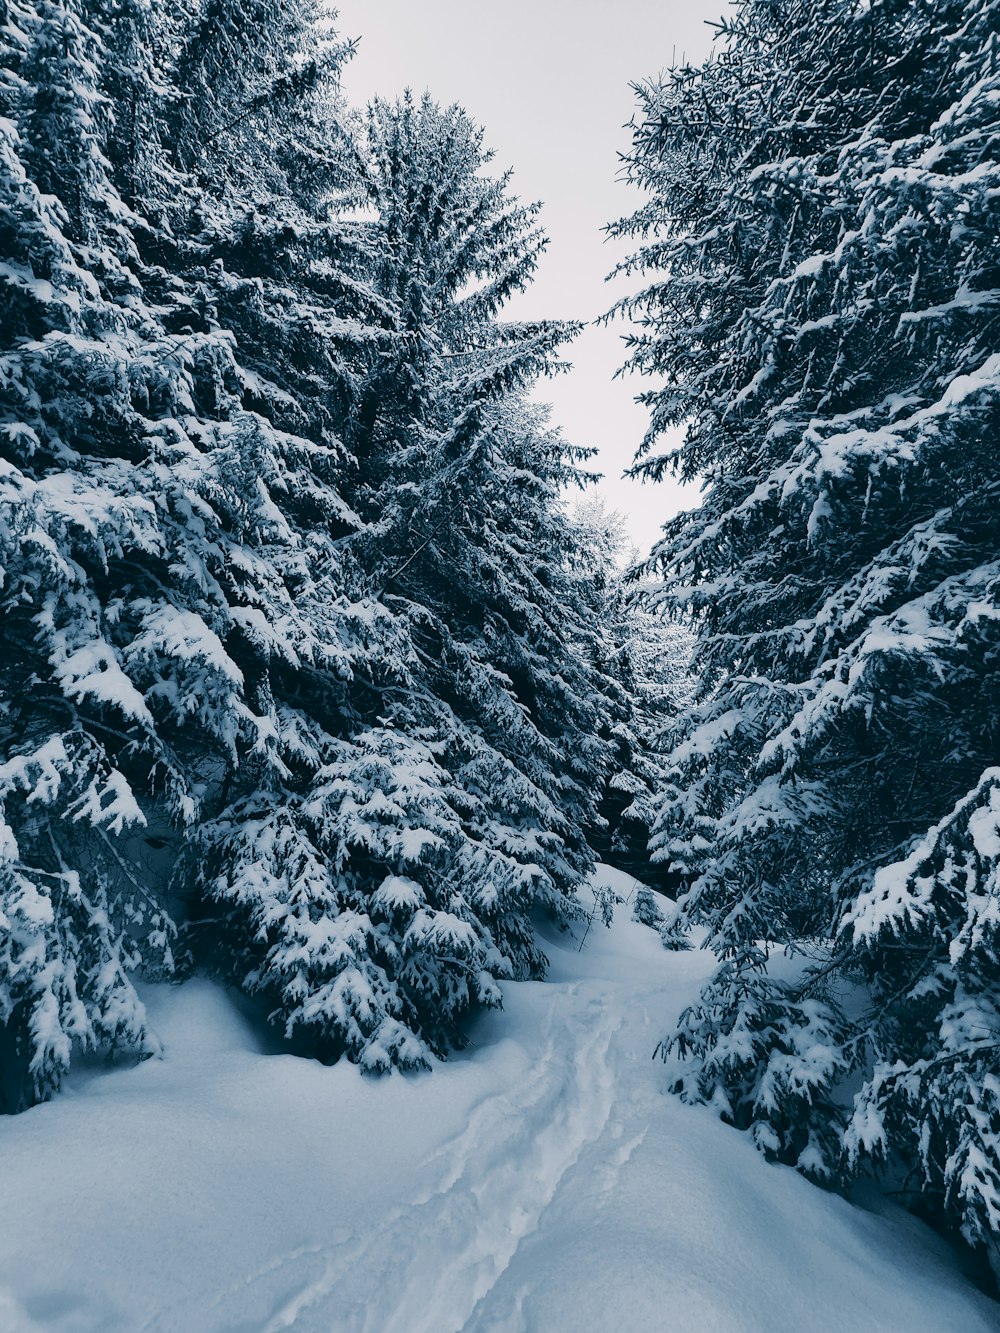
(541, 1181)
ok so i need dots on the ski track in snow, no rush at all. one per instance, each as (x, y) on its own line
(499, 1175)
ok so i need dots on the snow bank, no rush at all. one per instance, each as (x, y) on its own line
(542, 1181)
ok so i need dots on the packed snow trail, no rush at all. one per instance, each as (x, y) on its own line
(540, 1182)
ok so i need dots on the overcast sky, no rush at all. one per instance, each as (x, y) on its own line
(549, 81)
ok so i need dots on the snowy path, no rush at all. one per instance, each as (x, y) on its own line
(491, 1183)
(541, 1182)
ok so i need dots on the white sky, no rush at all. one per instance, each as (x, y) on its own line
(549, 81)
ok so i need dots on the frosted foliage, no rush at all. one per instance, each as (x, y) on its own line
(63, 961)
(382, 917)
(945, 889)
(821, 314)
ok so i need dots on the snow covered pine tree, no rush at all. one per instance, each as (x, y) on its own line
(822, 229)
(156, 598)
(349, 743)
(457, 798)
(69, 514)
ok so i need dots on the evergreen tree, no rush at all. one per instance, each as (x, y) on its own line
(821, 228)
(647, 653)
(464, 477)
(63, 949)
(455, 799)
(153, 585)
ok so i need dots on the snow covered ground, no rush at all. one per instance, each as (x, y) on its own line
(540, 1181)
